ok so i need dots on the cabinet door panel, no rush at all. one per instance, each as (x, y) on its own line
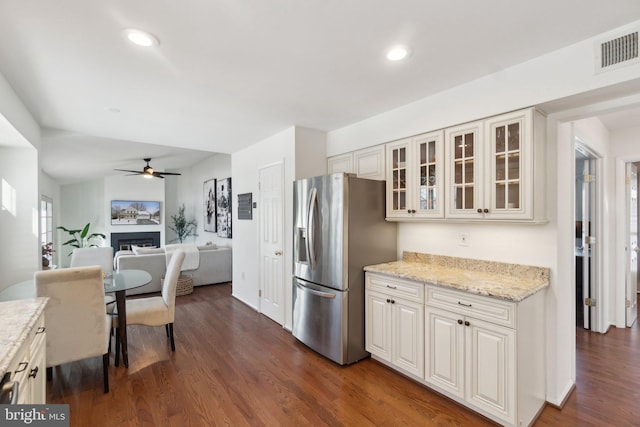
(463, 149)
(491, 368)
(341, 163)
(377, 326)
(445, 351)
(429, 175)
(369, 163)
(509, 155)
(398, 179)
(408, 332)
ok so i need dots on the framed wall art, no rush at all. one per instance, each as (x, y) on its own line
(209, 197)
(131, 212)
(223, 207)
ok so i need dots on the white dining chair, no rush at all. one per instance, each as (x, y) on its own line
(77, 325)
(102, 256)
(155, 310)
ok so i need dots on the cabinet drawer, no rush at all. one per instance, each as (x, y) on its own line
(483, 308)
(407, 289)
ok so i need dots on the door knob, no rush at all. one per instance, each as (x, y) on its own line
(278, 253)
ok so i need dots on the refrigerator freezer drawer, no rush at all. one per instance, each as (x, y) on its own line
(320, 319)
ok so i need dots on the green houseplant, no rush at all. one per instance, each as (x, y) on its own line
(81, 238)
(182, 226)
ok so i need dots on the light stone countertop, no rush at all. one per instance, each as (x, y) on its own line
(511, 282)
(17, 318)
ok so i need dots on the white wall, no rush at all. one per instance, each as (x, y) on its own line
(244, 179)
(302, 152)
(20, 248)
(135, 188)
(188, 189)
(81, 203)
(549, 77)
(20, 252)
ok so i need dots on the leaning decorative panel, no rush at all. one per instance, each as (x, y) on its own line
(223, 207)
(209, 197)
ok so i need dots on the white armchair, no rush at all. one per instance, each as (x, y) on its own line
(157, 310)
(77, 325)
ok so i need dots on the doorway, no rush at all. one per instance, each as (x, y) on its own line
(586, 239)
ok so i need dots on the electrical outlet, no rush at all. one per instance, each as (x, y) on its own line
(463, 239)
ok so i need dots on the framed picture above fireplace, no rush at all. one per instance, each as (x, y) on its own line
(132, 212)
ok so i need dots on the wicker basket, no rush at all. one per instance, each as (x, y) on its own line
(185, 285)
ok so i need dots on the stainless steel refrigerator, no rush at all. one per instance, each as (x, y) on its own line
(339, 227)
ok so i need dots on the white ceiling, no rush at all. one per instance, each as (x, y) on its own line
(228, 73)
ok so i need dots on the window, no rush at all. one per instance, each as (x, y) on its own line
(46, 220)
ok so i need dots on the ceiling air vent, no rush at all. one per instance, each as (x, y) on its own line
(616, 52)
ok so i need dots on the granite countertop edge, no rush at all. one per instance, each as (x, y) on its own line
(500, 286)
(18, 318)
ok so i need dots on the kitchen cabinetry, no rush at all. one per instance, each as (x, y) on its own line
(415, 173)
(496, 168)
(366, 163)
(27, 368)
(485, 353)
(394, 322)
(472, 359)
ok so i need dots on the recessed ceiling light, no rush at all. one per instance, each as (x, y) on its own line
(397, 53)
(140, 38)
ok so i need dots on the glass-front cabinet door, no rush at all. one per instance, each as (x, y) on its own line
(398, 189)
(415, 175)
(509, 158)
(464, 148)
(429, 174)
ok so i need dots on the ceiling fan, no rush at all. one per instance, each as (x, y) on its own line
(148, 171)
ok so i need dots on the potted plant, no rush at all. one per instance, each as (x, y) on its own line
(82, 238)
(181, 226)
(47, 252)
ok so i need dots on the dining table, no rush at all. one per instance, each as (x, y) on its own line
(117, 283)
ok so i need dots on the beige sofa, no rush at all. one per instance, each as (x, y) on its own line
(215, 266)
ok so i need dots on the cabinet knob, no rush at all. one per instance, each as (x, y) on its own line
(388, 300)
(393, 301)
(459, 321)
(486, 210)
(466, 323)
(479, 211)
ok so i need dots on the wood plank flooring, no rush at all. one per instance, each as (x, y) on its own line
(235, 367)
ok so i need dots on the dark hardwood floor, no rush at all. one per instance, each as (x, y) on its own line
(235, 367)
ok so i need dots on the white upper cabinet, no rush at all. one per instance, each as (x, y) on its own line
(496, 168)
(341, 163)
(369, 163)
(366, 163)
(415, 177)
(465, 161)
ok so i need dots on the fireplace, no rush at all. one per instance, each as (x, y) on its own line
(124, 241)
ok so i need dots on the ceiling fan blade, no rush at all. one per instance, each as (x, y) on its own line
(127, 170)
(157, 175)
(168, 173)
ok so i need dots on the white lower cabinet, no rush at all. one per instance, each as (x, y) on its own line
(473, 360)
(28, 367)
(483, 352)
(394, 323)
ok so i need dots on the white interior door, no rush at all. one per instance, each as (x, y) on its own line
(632, 244)
(271, 247)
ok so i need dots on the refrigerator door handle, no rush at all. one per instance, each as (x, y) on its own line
(311, 208)
(314, 292)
